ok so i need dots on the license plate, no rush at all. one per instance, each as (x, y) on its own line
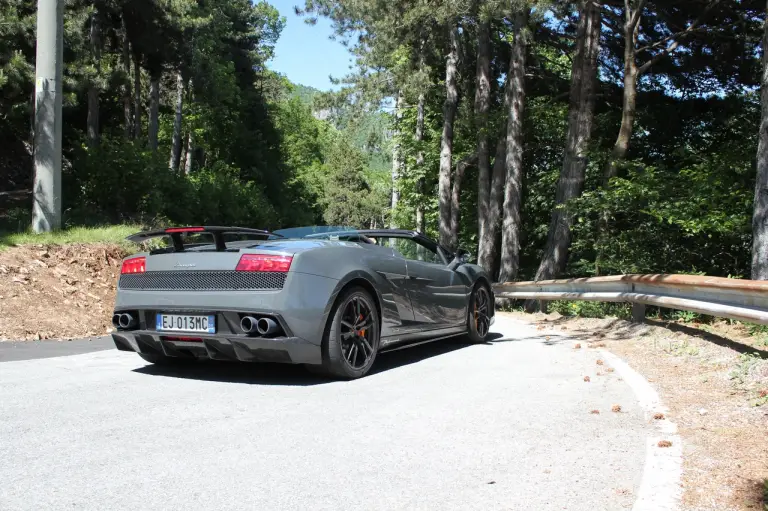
(186, 323)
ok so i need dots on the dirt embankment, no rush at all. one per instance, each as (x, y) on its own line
(58, 292)
(714, 379)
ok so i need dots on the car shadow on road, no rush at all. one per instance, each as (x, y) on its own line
(295, 375)
(414, 354)
(236, 372)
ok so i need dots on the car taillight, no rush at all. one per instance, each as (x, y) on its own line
(134, 265)
(264, 262)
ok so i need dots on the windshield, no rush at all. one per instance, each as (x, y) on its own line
(310, 231)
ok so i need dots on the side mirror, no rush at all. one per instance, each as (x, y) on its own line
(459, 258)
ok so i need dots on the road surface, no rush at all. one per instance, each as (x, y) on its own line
(444, 426)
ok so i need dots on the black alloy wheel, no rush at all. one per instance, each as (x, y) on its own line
(357, 337)
(351, 339)
(479, 317)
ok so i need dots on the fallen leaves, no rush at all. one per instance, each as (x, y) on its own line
(664, 443)
(577, 346)
(586, 378)
(58, 292)
(599, 362)
(658, 416)
(594, 412)
(616, 408)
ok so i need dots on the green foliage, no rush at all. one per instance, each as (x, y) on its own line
(590, 309)
(257, 154)
(349, 198)
(685, 211)
(120, 181)
(686, 316)
(150, 194)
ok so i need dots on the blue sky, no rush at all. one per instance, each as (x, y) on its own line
(304, 53)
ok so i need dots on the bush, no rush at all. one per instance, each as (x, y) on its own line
(590, 309)
(121, 182)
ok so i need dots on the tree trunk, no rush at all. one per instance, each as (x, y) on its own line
(137, 107)
(629, 103)
(93, 88)
(446, 140)
(513, 186)
(760, 216)
(580, 120)
(482, 105)
(190, 153)
(176, 139)
(128, 128)
(628, 108)
(498, 175)
(397, 161)
(461, 167)
(153, 124)
(420, 164)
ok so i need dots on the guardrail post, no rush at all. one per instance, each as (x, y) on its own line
(638, 312)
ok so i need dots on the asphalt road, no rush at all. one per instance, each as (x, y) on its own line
(444, 426)
(29, 350)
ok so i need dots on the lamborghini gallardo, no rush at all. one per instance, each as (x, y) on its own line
(329, 298)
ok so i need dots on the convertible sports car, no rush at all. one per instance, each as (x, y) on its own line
(329, 298)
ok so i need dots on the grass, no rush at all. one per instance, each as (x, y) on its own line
(104, 234)
(765, 495)
(741, 372)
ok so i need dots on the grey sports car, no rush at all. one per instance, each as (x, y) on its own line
(330, 298)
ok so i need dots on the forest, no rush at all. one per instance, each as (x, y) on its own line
(549, 138)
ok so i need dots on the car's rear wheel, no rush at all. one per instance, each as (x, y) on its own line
(352, 336)
(479, 316)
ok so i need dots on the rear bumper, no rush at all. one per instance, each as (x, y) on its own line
(301, 306)
(290, 350)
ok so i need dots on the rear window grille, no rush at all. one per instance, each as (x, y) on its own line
(201, 280)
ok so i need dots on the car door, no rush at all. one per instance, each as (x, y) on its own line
(391, 267)
(438, 294)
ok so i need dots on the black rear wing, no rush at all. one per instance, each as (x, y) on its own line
(217, 232)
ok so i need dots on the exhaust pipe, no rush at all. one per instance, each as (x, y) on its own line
(249, 324)
(116, 320)
(125, 320)
(266, 326)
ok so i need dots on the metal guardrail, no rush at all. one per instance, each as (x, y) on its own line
(745, 300)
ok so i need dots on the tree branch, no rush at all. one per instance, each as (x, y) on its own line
(635, 18)
(678, 37)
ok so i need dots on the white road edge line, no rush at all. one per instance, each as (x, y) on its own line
(661, 484)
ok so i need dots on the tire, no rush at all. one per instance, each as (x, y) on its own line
(349, 350)
(478, 321)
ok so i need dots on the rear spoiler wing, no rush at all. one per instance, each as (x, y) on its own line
(217, 232)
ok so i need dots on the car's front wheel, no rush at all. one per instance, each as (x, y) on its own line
(479, 316)
(352, 336)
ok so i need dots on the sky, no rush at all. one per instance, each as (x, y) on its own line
(304, 53)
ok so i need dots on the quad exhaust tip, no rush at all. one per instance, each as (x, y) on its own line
(266, 326)
(249, 324)
(123, 320)
(261, 326)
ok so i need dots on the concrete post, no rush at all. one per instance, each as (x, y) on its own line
(46, 208)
